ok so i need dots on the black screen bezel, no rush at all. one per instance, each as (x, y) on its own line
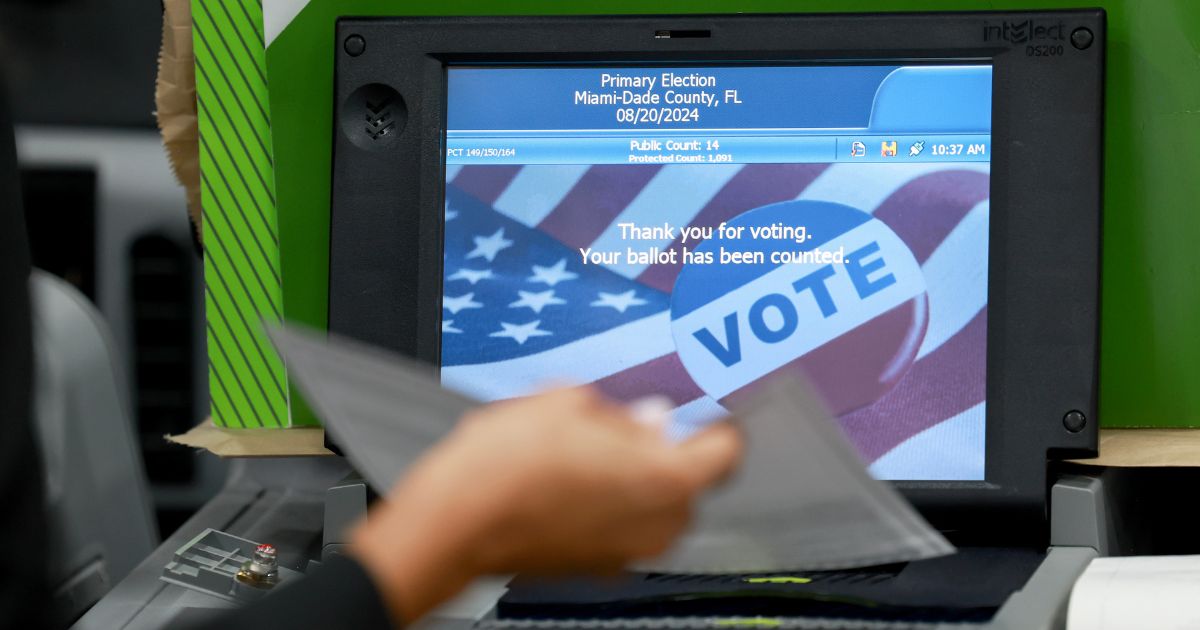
(1046, 174)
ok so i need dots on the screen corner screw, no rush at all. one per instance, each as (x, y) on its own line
(1074, 421)
(1081, 38)
(355, 45)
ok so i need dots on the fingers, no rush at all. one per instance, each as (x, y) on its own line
(653, 412)
(577, 400)
(587, 402)
(710, 455)
(570, 402)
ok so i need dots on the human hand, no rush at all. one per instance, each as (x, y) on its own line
(565, 481)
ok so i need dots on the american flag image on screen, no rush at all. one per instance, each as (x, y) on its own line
(523, 311)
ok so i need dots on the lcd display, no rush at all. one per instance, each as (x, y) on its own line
(689, 231)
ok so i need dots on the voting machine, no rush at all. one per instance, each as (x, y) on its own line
(903, 208)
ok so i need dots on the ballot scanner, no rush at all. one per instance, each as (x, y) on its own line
(903, 209)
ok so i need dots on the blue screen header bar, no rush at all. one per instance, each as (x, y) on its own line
(876, 98)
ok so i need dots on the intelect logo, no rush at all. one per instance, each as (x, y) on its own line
(1024, 31)
(851, 322)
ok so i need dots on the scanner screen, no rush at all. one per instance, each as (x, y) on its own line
(689, 231)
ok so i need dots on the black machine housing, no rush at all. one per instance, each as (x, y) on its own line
(1046, 180)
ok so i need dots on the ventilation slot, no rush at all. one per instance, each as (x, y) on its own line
(683, 34)
(161, 287)
(379, 119)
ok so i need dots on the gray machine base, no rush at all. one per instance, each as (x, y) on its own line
(209, 563)
(304, 506)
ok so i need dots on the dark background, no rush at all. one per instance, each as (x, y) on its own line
(81, 62)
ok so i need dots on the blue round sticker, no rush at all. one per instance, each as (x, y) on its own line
(818, 288)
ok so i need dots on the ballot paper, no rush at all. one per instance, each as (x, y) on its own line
(381, 409)
(801, 499)
(1137, 592)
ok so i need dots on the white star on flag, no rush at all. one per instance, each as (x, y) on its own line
(471, 275)
(520, 332)
(537, 301)
(456, 304)
(489, 246)
(554, 274)
(448, 326)
(450, 214)
(619, 301)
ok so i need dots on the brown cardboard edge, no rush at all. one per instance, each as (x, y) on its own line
(1120, 448)
(1147, 448)
(295, 442)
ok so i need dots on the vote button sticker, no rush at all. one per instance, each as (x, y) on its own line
(809, 287)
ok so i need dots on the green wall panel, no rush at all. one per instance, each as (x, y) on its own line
(242, 277)
(1150, 338)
